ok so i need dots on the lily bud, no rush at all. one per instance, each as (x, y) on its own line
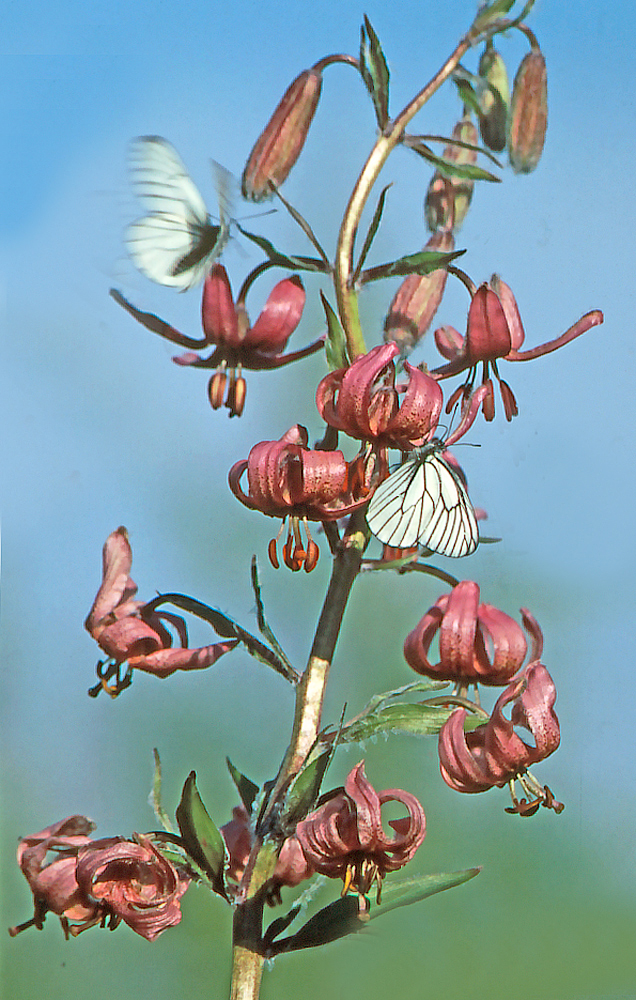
(493, 119)
(439, 212)
(418, 299)
(283, 138)
(528, 114)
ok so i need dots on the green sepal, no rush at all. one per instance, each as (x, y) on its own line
(375, 72)
(201, 837)
(412, 890)
(336, 346)
(334, 921)
(246, 788)
(422, 262)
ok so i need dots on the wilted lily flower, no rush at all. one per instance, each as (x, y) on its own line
(54, 883)
(494, 330)
(365, 402)
(134, 882)
(345, 839)
(292, 867)
(478, 643)
(237, 344)
(286, 478)
(494, 754)
(130, 633)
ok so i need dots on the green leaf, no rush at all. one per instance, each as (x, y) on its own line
(263, 624)
(227, 628)
(422, 262)
(373, 228)
(305, 786)
(246, 788)
(336, 346)
(279, 925)
(425, 684)
(283, 260)
(155, 794)
(201, 836)
(334, 921)
(412, 890)
(412, 720)
(451, 168)
(489, 14)
(375, 72)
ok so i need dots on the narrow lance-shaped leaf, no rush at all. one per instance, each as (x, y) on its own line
(246, 788)
(263, 624)
(155, 795)
(304, 788)
(336, 346)
(375, 72)
(201, 836)
(409, 719)
(422, 262)
(412, 890)
(295, 263)
(489, 14)
(334, 921)
(373, 228)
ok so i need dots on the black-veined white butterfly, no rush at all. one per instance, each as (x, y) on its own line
(177, 242)
(425, 502)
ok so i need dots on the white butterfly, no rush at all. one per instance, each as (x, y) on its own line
(177, 242)
(425, 502)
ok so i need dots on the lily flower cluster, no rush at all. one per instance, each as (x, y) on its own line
(285, 478)
(89, 882)
(479, 643)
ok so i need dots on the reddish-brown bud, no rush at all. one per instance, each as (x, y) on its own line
(448, 199)
(283, 138)
(493, 119)
(418, 299)
(528, 114)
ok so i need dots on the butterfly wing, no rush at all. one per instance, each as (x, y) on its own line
(176, 243)
(424, 503)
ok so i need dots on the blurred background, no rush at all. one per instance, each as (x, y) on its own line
(102, 429)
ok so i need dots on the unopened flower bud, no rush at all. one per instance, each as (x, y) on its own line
(448, 199)
(493, 119)
(283, 138)
(417, 299)
(528, 114)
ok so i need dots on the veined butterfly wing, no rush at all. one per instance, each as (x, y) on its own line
(176, 243)
(424, 502)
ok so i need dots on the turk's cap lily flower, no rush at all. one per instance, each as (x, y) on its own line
(236, 343)
(365, 402)
(478, 643)
(134, 882)
(495, 331)
(286, 478)
(53, 881)
(344, 838)
(495, 754)
(127, 632)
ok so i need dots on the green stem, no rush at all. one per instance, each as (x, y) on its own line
(345, 294)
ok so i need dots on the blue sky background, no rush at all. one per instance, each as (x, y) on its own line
(102, 429)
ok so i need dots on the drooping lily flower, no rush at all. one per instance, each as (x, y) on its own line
(237, 343)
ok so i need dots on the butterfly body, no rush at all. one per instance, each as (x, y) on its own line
(425, 502)
(176, 243)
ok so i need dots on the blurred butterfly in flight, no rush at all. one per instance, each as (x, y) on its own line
(176, 243)
(425, 502)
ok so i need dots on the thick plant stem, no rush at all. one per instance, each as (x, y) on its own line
(248, 956)
(345, 294)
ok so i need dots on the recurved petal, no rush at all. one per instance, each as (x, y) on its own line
(280, 316)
